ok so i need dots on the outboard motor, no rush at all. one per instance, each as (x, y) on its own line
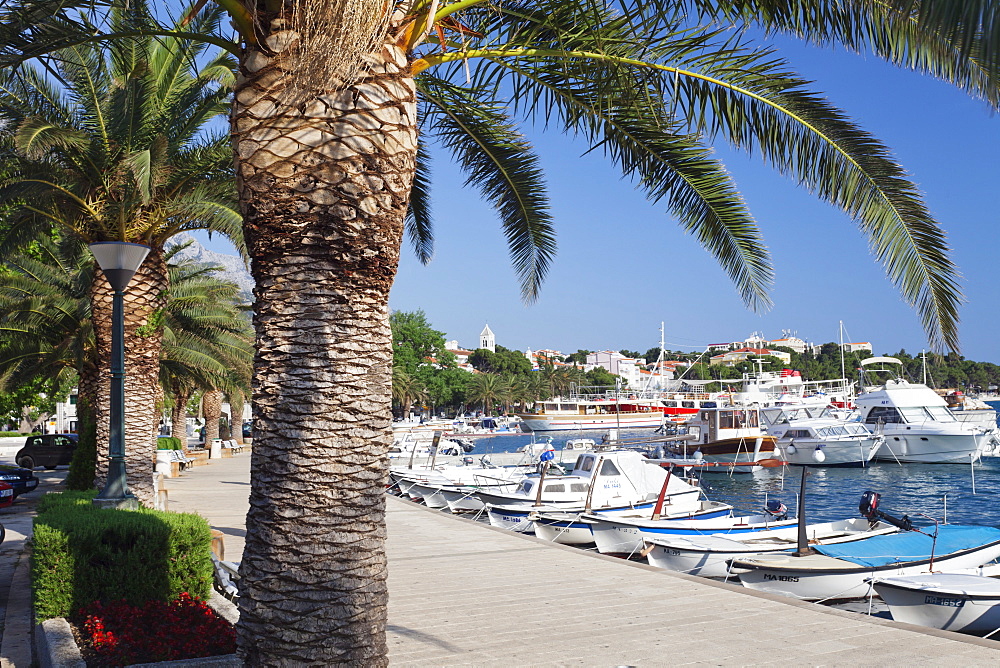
(870, 511)
(776, 509)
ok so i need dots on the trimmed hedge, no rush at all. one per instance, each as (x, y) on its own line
(168, 443)
(83, 554)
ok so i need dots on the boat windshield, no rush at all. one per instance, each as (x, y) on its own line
(940, 414)
(883, 415)
(609, 468)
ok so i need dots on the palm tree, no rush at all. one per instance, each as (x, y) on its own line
(406, 390)
(112, 147)
(489, 389)
(45, 329)
(206, 338)
(325, 120)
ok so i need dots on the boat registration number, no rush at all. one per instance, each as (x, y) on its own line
(780, 578)
(942, 600)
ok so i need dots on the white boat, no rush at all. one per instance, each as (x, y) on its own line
(916, 422)
(815, 436)
(599, 481)
(570, 528)
(612, 410)
(948, 601)
(708, 556)
(410, 445)
(841, 571)
(624, 536)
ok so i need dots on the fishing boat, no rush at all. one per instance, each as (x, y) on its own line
(842, 571)
(572, 528)
(624, 535)
(915, 421)
(949, 601)
(725, 434)
(816, 436)
(708, 556)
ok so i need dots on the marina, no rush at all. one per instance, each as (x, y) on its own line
(451, 581)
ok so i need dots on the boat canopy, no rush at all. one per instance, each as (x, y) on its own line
(911, 546)
(880, 360)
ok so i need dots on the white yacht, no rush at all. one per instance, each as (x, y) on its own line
(915, 421)
(816, 436)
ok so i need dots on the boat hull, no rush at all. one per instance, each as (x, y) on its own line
(586, 422)
(625, 537)
(845, 453)
(569, 529)
(928, 448)
(709, 556)
(779, 574)
(964, 603)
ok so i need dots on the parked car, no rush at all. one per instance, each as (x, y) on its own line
(6, 494)
(247, 430)
(48, 450)
(20, 479)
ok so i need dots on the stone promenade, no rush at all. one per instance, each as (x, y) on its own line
(462, 593)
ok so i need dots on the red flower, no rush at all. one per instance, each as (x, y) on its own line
(185, 628)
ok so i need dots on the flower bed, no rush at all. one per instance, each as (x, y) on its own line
(120, 634)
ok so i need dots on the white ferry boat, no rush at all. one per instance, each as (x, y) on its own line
(602, 411)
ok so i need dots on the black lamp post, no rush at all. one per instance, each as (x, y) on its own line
(119, 260)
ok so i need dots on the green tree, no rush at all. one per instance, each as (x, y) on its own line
(113, 146)
(489, 390)
(501, 361)
(329, 173)
(406, 390)
(415, 342)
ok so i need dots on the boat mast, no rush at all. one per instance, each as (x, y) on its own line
(842, 372)
(923, 365)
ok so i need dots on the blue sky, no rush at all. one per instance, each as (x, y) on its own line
(623, 264)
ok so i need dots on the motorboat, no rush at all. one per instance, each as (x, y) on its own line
(708, 556)
(842, 571)
(915, 421)
(598, 482)
(816, 436)
(967, 603)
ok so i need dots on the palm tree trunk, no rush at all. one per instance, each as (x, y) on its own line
(211, 407)
(323, 188)
(178, 416)
(236, 416)
(144, 299)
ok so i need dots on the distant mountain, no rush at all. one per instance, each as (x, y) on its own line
(233, 268)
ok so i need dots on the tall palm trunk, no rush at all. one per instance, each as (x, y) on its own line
(236, 416)
(323, 188)
(178, 415)
(211, 407)
(144, 298)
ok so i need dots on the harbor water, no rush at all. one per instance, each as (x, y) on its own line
(925, 492)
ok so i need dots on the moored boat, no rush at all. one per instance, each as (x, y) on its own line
(949, 601)
(815, 436)
(570, 528)
(840, 572)
(708, 556)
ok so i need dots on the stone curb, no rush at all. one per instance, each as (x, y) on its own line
(56, 647)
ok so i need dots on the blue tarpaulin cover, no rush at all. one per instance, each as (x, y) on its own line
(910, 545)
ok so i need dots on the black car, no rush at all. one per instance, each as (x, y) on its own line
(21, 479)
(48, 450)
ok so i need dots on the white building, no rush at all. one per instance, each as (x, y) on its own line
(487, 339)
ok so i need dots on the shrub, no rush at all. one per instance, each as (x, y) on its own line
(168, 443)
(121, 634)
(4, 434)
(83, 554)
(83, 467)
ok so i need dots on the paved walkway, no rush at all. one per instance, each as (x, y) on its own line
(462, 593)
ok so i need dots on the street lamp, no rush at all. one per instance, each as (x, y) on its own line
(119, 260)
